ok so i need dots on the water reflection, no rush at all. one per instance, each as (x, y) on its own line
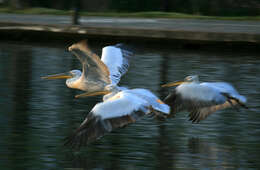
(19, 78)
(165, 149)
(37, 115)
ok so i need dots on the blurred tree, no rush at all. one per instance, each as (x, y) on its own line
(63, 4)
(75, 16)
(96, 6)
(135, 5)
(15, 4)
(194, 6)
(41, 3)
(166, 5)
(203, 7)
(19, 4)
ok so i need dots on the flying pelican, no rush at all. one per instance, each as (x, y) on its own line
(98, 76)
(202, 99)
(120, 106)
(118, 109)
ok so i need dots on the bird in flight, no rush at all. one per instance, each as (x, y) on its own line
(202, 99)
(98, 76)
(120, 106)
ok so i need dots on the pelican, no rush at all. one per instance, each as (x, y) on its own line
(202, 99)
(118, 109)
(98, 76)
(120, 106)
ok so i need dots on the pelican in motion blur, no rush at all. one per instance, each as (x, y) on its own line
(117, 110)
(202, 99)
(98, 76)
(120, 106)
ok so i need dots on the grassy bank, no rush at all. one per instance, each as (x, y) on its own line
(152, 14)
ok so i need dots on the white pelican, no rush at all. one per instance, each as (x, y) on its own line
(120, 106)
(98, 76)
(202, 99)
(118, 109)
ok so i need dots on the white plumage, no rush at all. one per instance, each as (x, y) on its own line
(224, 87)
(127, 102)
(202, 99)
(124, 103)
(119, 110)
(156, 103)
(116, 60)
(120, 105)
(200, 92)
(99, 75)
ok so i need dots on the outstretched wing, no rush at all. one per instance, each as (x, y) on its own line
(226, 88)
(118, 111)
(197, 115)
(116, 59)
(92, 67)
(202, 99)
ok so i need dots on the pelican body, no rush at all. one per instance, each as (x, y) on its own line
(202, 99)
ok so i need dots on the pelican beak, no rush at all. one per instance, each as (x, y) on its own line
(58, 76)
(92, 94)
(176, 83)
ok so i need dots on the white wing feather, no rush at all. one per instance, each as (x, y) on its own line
(129, 101)
(200, 92)
(120, 105)
(226, 88)
(154, 101)
(116, 59)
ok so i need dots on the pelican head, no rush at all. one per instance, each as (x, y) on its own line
(192, 78)
(71, 76)
(76, 81)
(188, 79)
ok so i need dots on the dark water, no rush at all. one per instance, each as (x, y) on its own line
(36, 115)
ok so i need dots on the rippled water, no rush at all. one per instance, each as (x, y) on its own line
(36, 115)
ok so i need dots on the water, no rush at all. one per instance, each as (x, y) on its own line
(36, 115)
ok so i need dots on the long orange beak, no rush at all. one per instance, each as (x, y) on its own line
(58, 76)
(176, 83)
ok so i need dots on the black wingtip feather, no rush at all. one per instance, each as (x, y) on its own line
(240, 103)
(88, 132)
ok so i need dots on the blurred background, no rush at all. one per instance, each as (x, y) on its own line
(36, 115)
(198, 7)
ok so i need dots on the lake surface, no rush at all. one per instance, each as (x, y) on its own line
(36, 115)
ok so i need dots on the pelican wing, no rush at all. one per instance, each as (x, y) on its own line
(92, 67)
(116, 59)
(227, 89)
(118, 111)
(189, 96)
(203, 99)
(197, 115)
